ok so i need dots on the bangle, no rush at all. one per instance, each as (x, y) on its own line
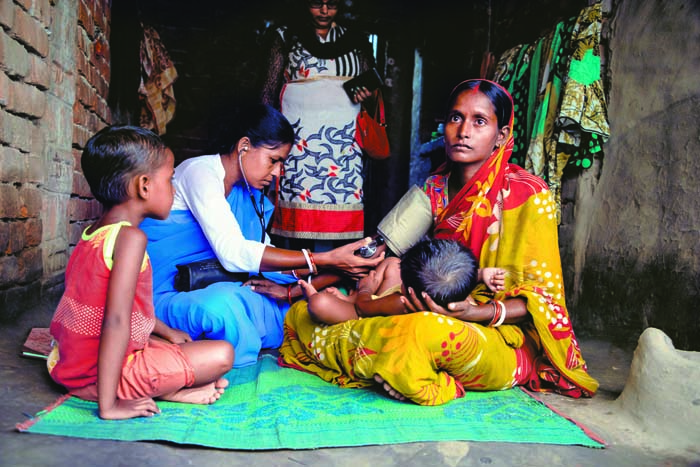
(494, 318)
(307, 256)
(502, 317)
(294, 273)
(289, 293)
(314, 269)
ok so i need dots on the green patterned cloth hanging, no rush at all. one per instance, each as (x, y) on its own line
(560, 111)
(583, 116)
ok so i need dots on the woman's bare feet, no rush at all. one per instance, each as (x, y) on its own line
(389, 390)
(207, 394)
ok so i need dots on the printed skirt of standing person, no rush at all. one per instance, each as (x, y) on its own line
(320, 194)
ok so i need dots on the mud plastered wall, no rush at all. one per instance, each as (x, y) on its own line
(632, 256)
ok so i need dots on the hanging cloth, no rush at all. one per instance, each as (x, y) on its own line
(156, 91)
(583, 115)
(560, 111)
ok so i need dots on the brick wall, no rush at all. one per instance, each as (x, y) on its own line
(90, 110)
(54, 74)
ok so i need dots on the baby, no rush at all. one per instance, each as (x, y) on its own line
(444, 269)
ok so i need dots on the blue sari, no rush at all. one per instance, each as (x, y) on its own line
(224, 310)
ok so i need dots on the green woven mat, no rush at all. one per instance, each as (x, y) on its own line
(269, 407)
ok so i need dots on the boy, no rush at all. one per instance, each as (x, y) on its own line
(104, 350)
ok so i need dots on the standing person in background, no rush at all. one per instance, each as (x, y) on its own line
(320, 203)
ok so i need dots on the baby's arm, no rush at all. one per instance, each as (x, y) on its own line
(285, 292)
(128, 255)
(494, 278)
(386, 275)
(331, 307)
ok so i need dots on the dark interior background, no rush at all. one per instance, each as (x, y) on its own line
(218, 48)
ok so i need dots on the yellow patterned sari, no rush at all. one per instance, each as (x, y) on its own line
(507, 216)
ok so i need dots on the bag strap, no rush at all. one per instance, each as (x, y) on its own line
(379, 108)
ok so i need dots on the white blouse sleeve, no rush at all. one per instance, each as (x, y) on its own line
(200, 187)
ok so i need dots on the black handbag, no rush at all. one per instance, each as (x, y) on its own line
(199, 274)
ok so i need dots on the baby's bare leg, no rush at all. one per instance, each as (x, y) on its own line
(329, 309)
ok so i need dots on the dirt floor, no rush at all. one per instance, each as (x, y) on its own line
(26, 389)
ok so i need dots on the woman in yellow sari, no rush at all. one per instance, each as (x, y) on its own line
(490, 341)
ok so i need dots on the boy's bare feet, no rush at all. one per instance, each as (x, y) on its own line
(389, 390)
(207, 394)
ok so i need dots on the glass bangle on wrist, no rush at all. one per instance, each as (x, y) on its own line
(309, 262)
(494, 317)
(314, 269)
(502, 317)
(499, 313)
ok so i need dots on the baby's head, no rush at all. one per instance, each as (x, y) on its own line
(114, 155)
(444, 269)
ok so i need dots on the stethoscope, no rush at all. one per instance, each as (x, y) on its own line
(258, 211)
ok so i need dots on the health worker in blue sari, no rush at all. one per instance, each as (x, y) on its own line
(220, 211)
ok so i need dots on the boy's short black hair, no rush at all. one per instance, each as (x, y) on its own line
(114, 155)
(444, 269)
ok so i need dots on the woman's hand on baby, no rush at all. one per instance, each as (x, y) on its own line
(415, 303)
(466, 310)
(123, 409)
(458, 310)
(267, 287)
